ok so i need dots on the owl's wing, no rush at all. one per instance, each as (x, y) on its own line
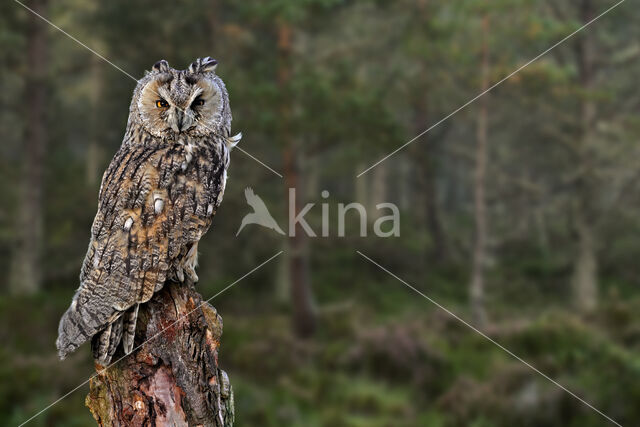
(152, 208)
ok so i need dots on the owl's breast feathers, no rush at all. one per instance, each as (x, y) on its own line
(156, 201)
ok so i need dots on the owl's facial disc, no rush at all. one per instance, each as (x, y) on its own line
(205, 106)
(173, 104)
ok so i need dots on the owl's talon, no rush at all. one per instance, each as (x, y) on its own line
(180, 274)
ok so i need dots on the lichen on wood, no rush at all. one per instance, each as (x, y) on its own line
(173, 378)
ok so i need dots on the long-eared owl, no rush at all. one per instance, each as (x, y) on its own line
(158, 197)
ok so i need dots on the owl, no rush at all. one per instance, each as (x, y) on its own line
(158, 197)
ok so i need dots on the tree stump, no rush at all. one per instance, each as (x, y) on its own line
(174, 378)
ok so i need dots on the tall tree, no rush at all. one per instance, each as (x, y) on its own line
(476, 288)
(304, 322)
(26, 268)
(425, 153)
(585, 280)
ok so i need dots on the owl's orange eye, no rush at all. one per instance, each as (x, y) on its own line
(198, 102)
(161, 103)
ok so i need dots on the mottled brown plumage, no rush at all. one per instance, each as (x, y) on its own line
(157, 198)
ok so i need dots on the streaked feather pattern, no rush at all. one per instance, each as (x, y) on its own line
(157, 198)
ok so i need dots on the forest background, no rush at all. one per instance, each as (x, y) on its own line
(518, 213)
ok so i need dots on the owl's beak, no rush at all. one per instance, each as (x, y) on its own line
(178, 120)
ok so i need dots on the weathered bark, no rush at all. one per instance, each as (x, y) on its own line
(172, 378)
(26, 264)
(476, 288)
(304, 318)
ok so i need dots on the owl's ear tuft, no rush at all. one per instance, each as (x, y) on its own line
(203, 65)
(209, 64)
(161, 66)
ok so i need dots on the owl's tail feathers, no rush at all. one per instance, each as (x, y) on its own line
(104, 343)
(123, 328)
(130, 319)
(78, 325)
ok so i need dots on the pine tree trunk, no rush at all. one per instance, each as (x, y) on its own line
(476, 288)
(584, 281)
(585, 268)
(174, 378)
(304, 318)
(26, 264)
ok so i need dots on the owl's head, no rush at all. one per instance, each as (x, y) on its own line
(194, 102)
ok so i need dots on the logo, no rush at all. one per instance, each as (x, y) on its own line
(384, 226)
(260, 214)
